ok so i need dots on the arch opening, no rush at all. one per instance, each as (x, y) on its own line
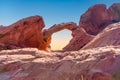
(60, 40)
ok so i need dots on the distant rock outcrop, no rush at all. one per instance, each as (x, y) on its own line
(98, 17)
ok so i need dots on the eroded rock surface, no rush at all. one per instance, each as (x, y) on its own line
(32, 64)
(24, 33)
(47, 33)
(79, 36)
(97, 17)
(29, 32)
(79, 40)
(90, 63)
(97, 60)
(109, 36)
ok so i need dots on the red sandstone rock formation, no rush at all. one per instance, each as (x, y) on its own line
(28, 32)
(98, 60)
(98, 17)
(114, 12)
(24, 33)
(109, 36)
(80, 37)
(93, 21)
(47, 33)
(79, 40)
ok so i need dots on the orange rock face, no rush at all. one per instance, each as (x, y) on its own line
(24, 33)
(98, 17)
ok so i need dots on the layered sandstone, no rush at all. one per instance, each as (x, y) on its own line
(99, 60)
(24, 33)
(79, 36)
(79, 39)
(29, 32)
(97, 17)
(109, 36)
(47, 33)
(32, 64)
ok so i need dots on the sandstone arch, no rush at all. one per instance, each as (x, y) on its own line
(29, 32)
(47, 33)
(80, 37)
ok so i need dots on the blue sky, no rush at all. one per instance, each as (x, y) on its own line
(53, 11)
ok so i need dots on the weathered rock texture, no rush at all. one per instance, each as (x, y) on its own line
(93, 21)
(79, 37)
(109, 36)
(47, 33)
(79, 40)
(24, 33)
(32, 64)
(29, 32)
(91, 63)
(97, 60)
(98, 17)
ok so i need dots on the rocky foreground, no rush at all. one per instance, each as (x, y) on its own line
(92, 54)
(100, 63)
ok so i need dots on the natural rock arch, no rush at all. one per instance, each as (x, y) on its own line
(80, 37)
(47, 33)
(29, 32)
